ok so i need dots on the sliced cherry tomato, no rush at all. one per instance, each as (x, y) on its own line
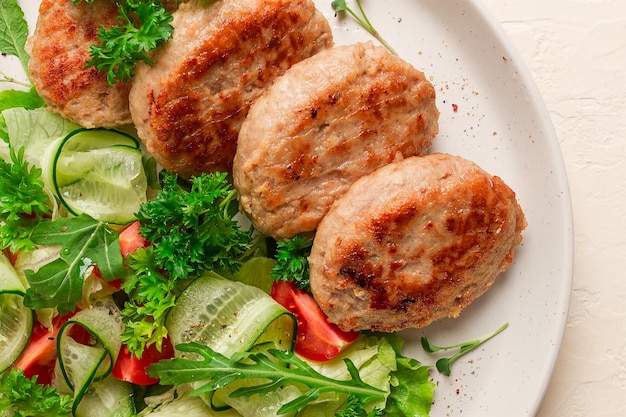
(11, 256)
(116, 283)
(317, 339)
(132, 369)
(131, 240)
(41, 352)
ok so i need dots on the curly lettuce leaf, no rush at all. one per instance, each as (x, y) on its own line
(411, 387)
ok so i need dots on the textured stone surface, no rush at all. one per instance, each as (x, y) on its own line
(576, 50)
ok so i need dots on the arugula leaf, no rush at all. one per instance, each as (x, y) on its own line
(292, 261)
(341, 6)
(23, 202)
(145, 26)
(21, 396)
(13, 31)
(278, 367)
(192, 228)
(86, 242)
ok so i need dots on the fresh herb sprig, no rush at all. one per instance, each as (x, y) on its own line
(151, 295)
(23, 202)
(292, 261)
(191, 230)
(144, 26)
(444, 364)
(191, 226)
(355, 408)
(278, 367)
(21, 396)
(340, 6)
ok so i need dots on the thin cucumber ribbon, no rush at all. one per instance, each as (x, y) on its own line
(83, 368)
(16, 320)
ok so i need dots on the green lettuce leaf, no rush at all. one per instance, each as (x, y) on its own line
(22, 99)
(411, 388)
(35, 130)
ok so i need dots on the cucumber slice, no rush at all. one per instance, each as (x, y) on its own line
(82, 365)
(112, 191)
(16, 321)
(108, 398)
(98, 172)
(228, 316)
(185, 406)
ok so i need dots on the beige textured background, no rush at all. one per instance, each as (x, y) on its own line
(576, 50)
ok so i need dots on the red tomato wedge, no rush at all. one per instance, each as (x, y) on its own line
(41, 352)
(131, 240)
(317, 339)
(11, 256)
(132, 369)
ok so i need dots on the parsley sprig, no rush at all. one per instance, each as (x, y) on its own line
(276, 368)
(354, 408)
(192, 228)
(23, 202)
(21, 396)
(144, 26)
(292, 261)
(151, 295)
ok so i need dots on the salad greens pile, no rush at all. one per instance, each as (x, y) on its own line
(234, 343)
(191, 230)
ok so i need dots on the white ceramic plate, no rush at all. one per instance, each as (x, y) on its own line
(491, 113)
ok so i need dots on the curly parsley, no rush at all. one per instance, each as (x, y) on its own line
(144, 26)
(21, 396)
(292, 261)
(23, 202)
(192, 228)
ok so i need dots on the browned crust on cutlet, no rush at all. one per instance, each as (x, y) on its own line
(193, 118)
(59, 50)
(418, 254)
(326, 122)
